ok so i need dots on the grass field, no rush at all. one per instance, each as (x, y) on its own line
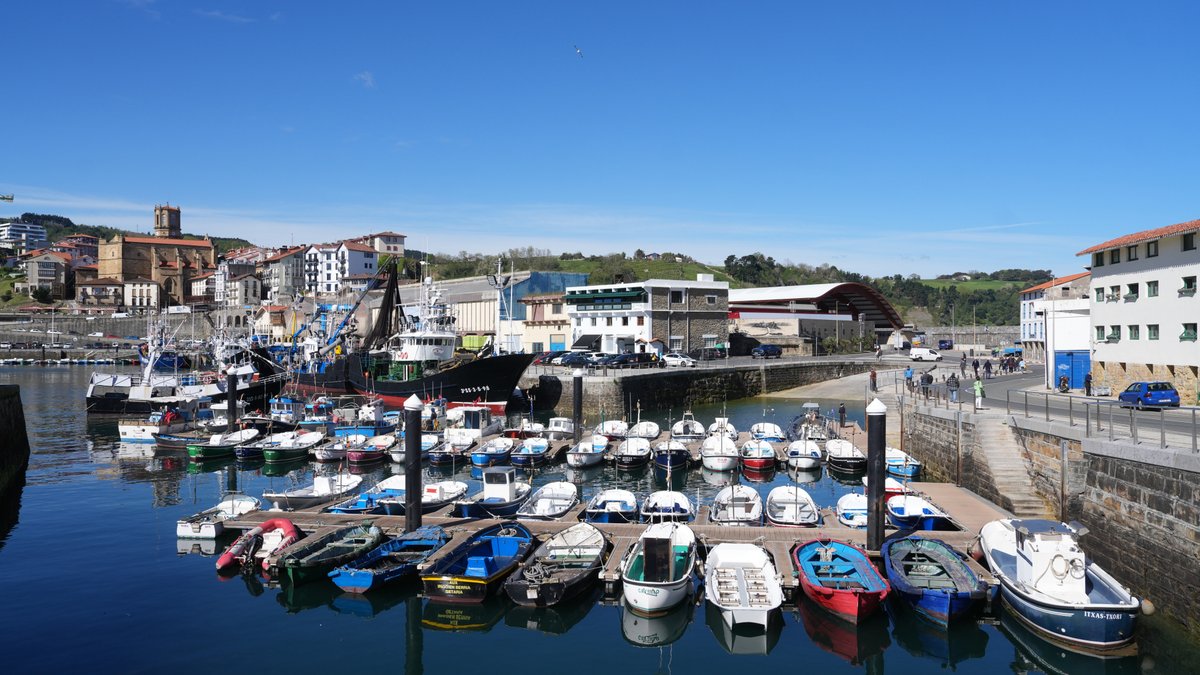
(6, 286)
(975, 284)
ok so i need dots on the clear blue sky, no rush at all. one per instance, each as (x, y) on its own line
(881, 137)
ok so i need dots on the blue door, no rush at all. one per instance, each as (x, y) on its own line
(1072, 364)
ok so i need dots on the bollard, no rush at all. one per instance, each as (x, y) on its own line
(577, 407)
(412, 463)
(876, 465)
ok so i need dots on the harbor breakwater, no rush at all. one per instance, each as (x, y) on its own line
(677, 389)
(1139, 502)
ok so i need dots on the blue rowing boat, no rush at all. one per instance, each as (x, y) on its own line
(473, 570)
(931, 577)
(393, 559)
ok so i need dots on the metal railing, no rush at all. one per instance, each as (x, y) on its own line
(1100, 418)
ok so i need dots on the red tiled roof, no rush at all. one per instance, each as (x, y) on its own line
(355, 246)
(202, 277)
(167, 241)
(285, 253)
(1145, 235)
(1056, 282)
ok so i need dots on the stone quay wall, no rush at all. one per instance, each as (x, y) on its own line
(14, 451)
(678, 388)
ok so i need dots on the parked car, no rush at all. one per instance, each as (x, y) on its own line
(766, 352)
(1149, 394)
(96, 334)
(574, 359)
(707, 354)
(640, 359)
(945, 344)
(924, 354)
(547, 357)
(678, 359)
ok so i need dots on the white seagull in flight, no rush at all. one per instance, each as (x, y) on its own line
(578, 51)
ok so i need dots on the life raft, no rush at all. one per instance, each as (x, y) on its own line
(242, 550)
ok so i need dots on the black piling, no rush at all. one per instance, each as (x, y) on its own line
(876, 472)
(412, 463)
(231, 476)
(577, 407)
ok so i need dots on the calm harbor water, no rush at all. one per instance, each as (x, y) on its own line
(93, 576)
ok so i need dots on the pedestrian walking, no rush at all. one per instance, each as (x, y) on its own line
(926, 384)
(987, 369)
(842, 415)
(975, 365)
(952, 387)
(908, 374)
(878, 353)
(874, 383)
(978, 394)
(1087, 384)
(1021, 365)
(962, 365)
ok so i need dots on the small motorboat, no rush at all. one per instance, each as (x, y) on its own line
(429, 443)
(902, 464)
(767, 431)
(551, 501)
(393, 559)
(757, 455)
(736, 505)
(179, 441)
(294, 448)
(448, 454)
(612, 429)
(633, 452)
(533, 452)
(842, 454)
(1051, 585)
(891, 487)
(433, 497)
(368, 502)
(910, 512)
(253, 449)
(644, 430)
(323, 489)
(588, 452)
(501, 496)
(259, 543)
(335, 449)
(494, 452)
(657, 571)
(559, 429)
(741, 581)
(931, 577)
(718, 453)
(373, 450)
(312, 558)
(210, 523)
(221, 445)
(665, 506)
(721, 426)
(791, 506)
(852, 509)
(687, 429)
(612, 506)
(470, 572)
(561, 568)
(840, 578)
(671, 455)
(803, 454)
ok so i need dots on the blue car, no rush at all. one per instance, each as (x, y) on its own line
(766, 352)
(1149, 394)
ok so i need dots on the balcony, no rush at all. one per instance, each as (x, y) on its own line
(1112, 337)
(1187, 291)
(1130, 297)
(1112, 297)
(1187, 336)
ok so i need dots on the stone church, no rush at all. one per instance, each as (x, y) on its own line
(166, 258)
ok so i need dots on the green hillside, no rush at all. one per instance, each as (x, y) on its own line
(975, 284)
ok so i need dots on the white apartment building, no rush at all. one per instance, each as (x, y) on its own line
(1033, 311)
(327, 265)
(283, 275)
(654, 315)
(1144, 309)
(143, 295)
(22, 237)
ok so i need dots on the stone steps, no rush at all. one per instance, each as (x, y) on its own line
(1007, 466)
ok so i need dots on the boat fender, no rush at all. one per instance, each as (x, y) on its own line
(1147, 607)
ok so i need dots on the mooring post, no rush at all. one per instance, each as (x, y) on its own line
(876, 454)
(414, 638)
(412, 463)
(577, 405)
(231, 482)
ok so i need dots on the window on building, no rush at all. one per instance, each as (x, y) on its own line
(1189, 332)
(1114, 333)
(1152, 249)
(1114, 256)
(1152, 289)
(537, 347)
(1151, 331)
(624, 321)
(593, 321)
(710, 299)
(556, 308)
(676, 297)
(1099, 333)
(1135, 332)
(1131, 253)
(1099, 295)
(1189, 286)
(1131, 291)
(710, 341)
(1098, 259)
(675, 342)
(641, 321)
(1114, 293)
(1189, 241)
(608, 321)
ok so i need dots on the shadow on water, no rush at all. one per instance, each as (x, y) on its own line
(10, 505)
(946, 646)
(556, 620)
(1035, 654)
(655, 631)
(743, 639)
(856, 643)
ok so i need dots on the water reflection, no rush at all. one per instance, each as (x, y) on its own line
(379, 600)
(465, 617)
(204, 547)
(1035, 655)
(556, 620)
(743, 639)
(296, 599)
(10, 504)
(856, 643)
(947, 646)
(655, 631)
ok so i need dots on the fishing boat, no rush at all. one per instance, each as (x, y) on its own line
(391, 560)
(718, 453)
(373, 450)
(468, 425)
(368, 502)
(550, 501)
(501, 496)
(323, 489)
(533, 452)
(910, 512)
(210, 523)
(588, 452)
(173, 419)
(312, 558)
(810, 424)
(667, 505)
(180, 441)
(902, 464)
(525, 428)
(767, 431)
(292, 449)
(721, 426)
(470, 572)
(612, 506)
(757, 455)
(1052, 587)
(644, 429)
(657, 571)
(258, 543)
(561, 568)
(791, 506)
(496, 451)
(334, 450)
(931, 577)
(560, 429)
(671, 455)
(434, 496)
(840, 578)
(221, 445)
(741, 581)
(429, 443)
(803, 454)
(633, 452)
(687, 429)
(851, 509)
(842, 454)
(253, 449)
(447, 454)
(284, 413)
(736, 505)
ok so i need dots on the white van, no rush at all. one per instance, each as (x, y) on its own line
(924, 354)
